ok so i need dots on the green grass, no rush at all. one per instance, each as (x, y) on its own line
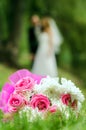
(5, 72)
(53, 122)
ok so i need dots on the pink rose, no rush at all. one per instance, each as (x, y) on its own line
(15, 102)
(53, 108)
(74, 104)
(66, 99)
(20, 74)
(12, 109)
(26, 83)
(40, 101)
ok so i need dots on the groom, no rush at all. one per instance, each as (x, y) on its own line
(33, 33)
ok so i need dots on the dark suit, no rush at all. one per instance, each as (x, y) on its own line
(33, 42)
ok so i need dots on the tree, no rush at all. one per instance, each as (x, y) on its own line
(14, 16)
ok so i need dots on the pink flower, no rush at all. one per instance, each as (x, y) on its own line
(16, 102)
(40, 101)
(26, 83)
(66, 99)
(74, 104)
(7, 90)
(20, 74)
(53, 108)
(37, 78)
(12, 109)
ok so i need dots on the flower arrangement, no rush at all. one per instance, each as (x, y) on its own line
(38, 95)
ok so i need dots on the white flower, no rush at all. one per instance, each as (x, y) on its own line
(31, 114)
(49, 86)
(69, 87)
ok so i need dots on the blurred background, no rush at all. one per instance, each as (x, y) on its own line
(70, 16)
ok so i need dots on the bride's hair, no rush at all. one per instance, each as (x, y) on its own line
(45, 23)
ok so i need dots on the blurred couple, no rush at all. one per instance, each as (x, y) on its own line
(45, 40)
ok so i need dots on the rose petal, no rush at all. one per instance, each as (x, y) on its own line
(4, 96)
(39, 101)
(15, 77)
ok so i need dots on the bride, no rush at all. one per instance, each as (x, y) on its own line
(45, 62)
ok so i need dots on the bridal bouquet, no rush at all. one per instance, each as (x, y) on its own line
(38, 95)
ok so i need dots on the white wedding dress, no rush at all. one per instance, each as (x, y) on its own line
(45, 63)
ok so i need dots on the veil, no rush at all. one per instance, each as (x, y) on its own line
(57, 37)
